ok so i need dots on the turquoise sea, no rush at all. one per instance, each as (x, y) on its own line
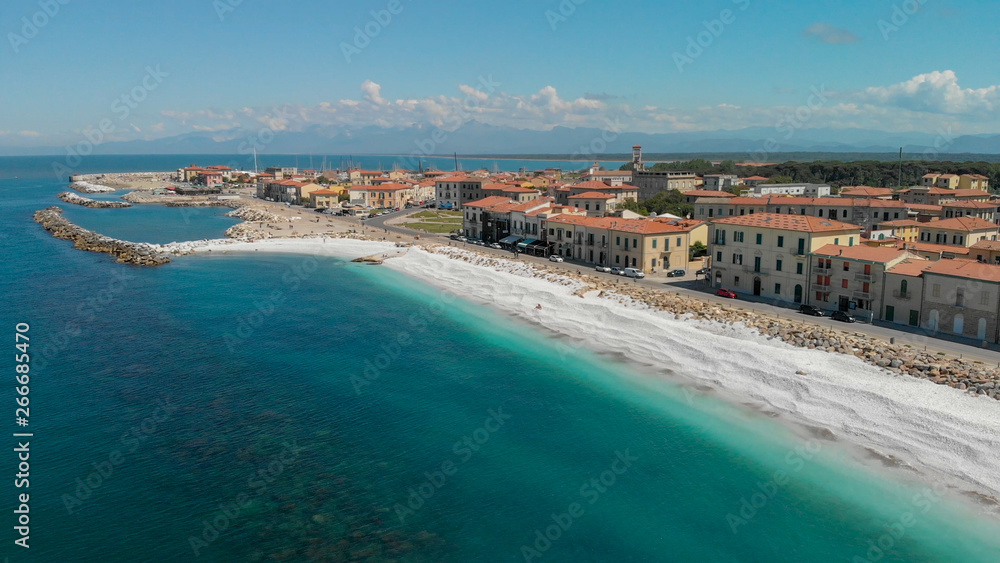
(293, 408)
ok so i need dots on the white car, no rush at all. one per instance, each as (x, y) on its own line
(556, 258)
(633, 273)
(604, 269)
(495, 245)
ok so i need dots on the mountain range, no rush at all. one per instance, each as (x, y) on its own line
(476, 138)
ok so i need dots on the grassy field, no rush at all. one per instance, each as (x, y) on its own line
(439, 228)
(438, 215)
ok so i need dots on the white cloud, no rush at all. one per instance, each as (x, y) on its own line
(935, 92)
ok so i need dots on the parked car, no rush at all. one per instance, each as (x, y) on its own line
(676, 273)
(723, 292)
(462, 239)
(616, 271)
(556, 258)
(495, 245)
(810, 310)
(454, 237)
(605, 269)
(633, 273)
(843, 317)
(703, 272)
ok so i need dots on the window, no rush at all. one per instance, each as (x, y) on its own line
(902, 287)
(736, 281)
(802, 246)
(666, 244)
(868, 269)
(843, 284)
(936, 290)
(984, 298)
(777, 265)
(760, 238)
(618, 241)
(679, 242)
(798, 268)
(777, 289)
(850, 241)
(781, 241)
(718, 256)
(635, 243)
(756, 264)
(738, 236)
(738, 259)
(654, 244)
(960, 297)
(847, 266)
(836, 241)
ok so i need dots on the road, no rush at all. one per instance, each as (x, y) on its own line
(691, 287)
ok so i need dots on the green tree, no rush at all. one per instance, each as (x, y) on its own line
(698, 249)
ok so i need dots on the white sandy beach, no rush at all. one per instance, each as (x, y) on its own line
(937, 430)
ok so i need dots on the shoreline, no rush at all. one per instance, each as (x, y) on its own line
(921, 431)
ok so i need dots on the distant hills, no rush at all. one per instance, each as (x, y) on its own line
(476, 138)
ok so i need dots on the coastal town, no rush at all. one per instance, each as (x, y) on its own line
(921, 258)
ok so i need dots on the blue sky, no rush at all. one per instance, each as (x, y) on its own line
(227, 64)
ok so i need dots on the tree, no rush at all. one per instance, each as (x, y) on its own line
(698, 249)
(780, 180)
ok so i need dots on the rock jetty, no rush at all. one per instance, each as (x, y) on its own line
(70, 197)
(126, 252)
(88, 188)
(970, 376)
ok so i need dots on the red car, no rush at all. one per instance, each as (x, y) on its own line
(726, 293)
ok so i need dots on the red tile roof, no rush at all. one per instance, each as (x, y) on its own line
(789, 222)
(910, 267)
(963, 224)
(968, 269)
(863, 252)
(592, 195)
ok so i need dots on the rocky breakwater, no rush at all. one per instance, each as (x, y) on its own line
(250, 215)
(126, 252)
(88, 188)
(970, 376)
(70, 197)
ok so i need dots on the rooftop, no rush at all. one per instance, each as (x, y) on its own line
(910, 267)
(785, 222)
(963, 224)
(968, 269)
(863, 252)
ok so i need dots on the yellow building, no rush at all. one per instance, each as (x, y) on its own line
(958, 231)
(324, 198)
(974, 182)
(906, 230)
(650, 244)
(766, 254)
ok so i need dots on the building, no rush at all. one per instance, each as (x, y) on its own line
(650, 183)
(282, 172)
(319, 199)
(767, 254)
(596, 204)
(384, 196)
(209, 178)
(958, 231)
(753, 181)
(851, 277)
(866, 192)
(694, 196)
(650, 244)
(720, 182)
(961, 298)
(804, 190)
(902, 292)
(517, 193)
(906, 230)
(609, 177)
(358, 177)
(985, 251)
(974, 182)
(981, 209)
(287, 191)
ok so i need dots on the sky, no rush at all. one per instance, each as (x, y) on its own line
(146, 70)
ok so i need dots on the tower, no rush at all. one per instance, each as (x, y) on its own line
(637, 165)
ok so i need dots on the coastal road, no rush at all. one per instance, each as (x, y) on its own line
(692, 288)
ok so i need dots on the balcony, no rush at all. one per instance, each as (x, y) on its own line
(752, 270)
(822, 269)
(862, 295)
(863, 278)
(904, 295)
